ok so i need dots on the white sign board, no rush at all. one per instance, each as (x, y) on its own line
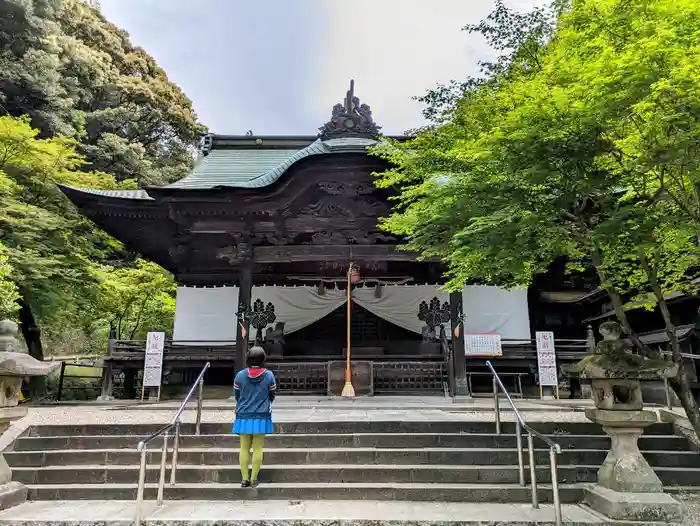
(153, 363)
(546, 359)
(487, 344)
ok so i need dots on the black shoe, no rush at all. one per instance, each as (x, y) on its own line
(245, 484)
(254, 484)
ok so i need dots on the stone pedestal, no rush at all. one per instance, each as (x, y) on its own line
(13, 367)
(628, 488)
(11, 493)
(107, 383)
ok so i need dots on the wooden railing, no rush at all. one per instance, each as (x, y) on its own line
(134, 350)
(379, 374)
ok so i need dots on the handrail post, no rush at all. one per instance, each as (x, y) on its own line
(533, 469)
(142, 483)
(176, 450)
(163, 461)
(496, 407)
(200, 394)
(555, 486)
(519, 445)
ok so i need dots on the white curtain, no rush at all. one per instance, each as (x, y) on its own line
(496, 310)
(298, 307)
(205, 315)
(399, 304)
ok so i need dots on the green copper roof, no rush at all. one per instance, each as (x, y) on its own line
(259, 167)
(121, 194)
(232, 167)
(246, 168)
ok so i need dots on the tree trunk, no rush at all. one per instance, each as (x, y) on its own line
(619, 309)
(32, 337)
(680, 383)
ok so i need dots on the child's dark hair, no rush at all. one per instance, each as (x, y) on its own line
(256, 357)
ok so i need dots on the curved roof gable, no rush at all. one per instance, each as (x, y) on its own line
(259, 168)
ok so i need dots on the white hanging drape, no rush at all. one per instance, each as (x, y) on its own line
(399, 304)
(208, 315)
(298, 307)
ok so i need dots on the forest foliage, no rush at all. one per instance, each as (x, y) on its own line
(579, 143)
(80, 106)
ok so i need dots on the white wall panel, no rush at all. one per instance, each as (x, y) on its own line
(206, 314)
(493, 309)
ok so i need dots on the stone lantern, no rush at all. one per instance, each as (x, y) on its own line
(627, 487)
(14, 366)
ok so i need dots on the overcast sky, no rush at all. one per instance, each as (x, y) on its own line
(279, 66)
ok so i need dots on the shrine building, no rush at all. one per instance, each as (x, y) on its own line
(261, 236)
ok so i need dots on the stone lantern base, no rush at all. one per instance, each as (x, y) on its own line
(12, 493)
(642, 507)
(627, 488)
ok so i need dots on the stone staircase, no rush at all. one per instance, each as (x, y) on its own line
(440, 461)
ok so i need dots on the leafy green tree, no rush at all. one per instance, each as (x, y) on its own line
(8, 290)
(78, 75)
(102, 112)
(546, 158)
(132, 301)
(50, 249)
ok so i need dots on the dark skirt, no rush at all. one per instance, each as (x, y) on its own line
(253, 426)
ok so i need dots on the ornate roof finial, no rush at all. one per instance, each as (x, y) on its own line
(350, 119)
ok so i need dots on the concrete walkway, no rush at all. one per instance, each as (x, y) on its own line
(276, 513)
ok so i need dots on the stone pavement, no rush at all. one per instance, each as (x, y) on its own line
(276, 513)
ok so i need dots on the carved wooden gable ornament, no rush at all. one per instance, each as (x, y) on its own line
(350, 119)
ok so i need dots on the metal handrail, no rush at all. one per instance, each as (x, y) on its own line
(520, 426)
(142, 447)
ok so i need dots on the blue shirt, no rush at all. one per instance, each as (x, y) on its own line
(254, 389)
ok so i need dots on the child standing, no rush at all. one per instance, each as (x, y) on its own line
(254, 389)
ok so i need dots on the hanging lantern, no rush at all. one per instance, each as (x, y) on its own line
(354, 275)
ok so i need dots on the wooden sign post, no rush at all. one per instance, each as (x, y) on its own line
(153, 362)
(547, 362)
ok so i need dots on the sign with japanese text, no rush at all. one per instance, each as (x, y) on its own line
(546, 359)
(153, 362)
(485, 344)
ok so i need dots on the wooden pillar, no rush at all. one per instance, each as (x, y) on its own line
(245, 290)
(459, 359)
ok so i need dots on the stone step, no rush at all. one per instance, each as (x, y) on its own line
(379, 440)
(308, 473)
(384, 491)
(340, 427)
(299, 456)
(295, 513)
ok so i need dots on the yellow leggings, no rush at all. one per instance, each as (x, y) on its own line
(256, 441)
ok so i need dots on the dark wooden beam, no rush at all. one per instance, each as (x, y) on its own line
(296, 225)
(458, 356)
(245, 290)
(296, 253)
